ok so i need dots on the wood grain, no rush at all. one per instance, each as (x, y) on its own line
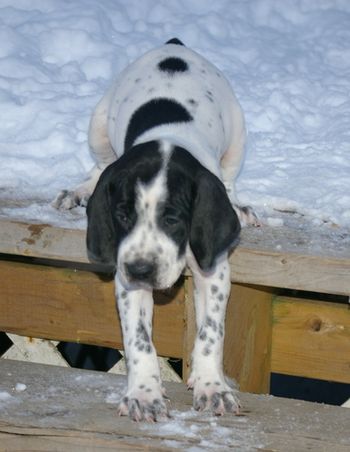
(311, 339)
(247, 351)
(291, 256)
(71, 409)
(76, 306)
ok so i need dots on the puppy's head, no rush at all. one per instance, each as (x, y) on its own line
(148, 206)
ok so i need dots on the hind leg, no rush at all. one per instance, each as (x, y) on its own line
(231, 164)
(103, 153)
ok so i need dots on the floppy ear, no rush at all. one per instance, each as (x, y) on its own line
(101, 239)
(215, 225)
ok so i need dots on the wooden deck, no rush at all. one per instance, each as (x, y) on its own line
(51, 408)
(50, 290)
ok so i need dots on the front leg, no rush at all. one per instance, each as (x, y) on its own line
(211, 389)
(145, 397)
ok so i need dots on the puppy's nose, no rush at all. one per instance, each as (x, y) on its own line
(141, 270)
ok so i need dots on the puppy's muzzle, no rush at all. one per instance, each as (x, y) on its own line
(141, 270)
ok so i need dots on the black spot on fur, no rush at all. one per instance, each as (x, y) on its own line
(202, 335)
(141, 332)
(175, 41)
(209, 95)
(172, 65)
(211, 323)
(152, 114)
(193, 103)
(214, 289)
(206, 351)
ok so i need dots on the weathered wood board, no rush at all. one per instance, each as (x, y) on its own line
(76, 306)
(50, 408)
(311, 339)
(296, 255)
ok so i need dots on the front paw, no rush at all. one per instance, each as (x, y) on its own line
(216, 395)
(68, 199)
(144, 404)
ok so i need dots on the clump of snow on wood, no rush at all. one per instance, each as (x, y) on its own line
(20, 387)
(288, 62)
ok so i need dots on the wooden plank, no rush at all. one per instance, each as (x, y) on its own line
(42, 241)
(291, 271)
(311, 339)
(71, 409)
(247, 351)
(295, 255)
(68, 305)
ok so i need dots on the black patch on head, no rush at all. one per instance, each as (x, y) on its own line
(197, 210)
(152, 114)
(111, 208)
(172, 65)
(175, 41)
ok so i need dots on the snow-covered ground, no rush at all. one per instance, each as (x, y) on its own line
(288, 61)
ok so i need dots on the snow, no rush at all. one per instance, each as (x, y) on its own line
(289, 64)
(5, 396)
(20, 387)
(207, 434)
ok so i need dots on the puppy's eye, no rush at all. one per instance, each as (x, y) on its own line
(170, 220)
(123, 218)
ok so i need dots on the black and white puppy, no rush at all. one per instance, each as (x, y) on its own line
(168, 139)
